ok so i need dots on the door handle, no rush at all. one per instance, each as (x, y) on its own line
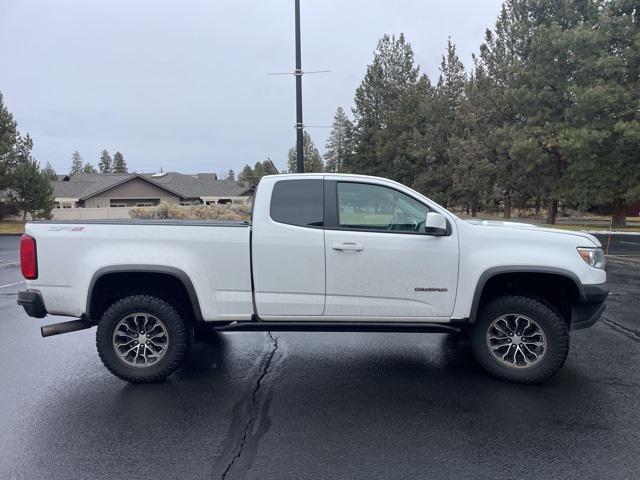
(348, 246)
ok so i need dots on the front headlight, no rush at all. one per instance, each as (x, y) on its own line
(593, 256)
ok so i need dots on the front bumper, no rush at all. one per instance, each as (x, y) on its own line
(31, 301)
(591, 305)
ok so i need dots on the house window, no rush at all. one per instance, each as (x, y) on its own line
(118, 204)
(144, 204)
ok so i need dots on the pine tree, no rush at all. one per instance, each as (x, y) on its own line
(31, 192)
(602, 139)
(77, 165)
(106, 164)
(119, 165)
(49, 172)
(231, 175)
(468, 149)
(388, 77)
(312, 159)
(338, 145)
(269, 168)
(502, 58)
(545, 33)
(247, 175)
(88, 168)
(8, 138)
(445, 105)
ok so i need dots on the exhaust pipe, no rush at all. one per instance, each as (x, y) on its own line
(65, 327)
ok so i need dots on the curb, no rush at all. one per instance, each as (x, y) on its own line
(630, 261)
(10, 234)
(607, 232)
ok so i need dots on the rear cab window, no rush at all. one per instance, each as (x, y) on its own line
(298, 202)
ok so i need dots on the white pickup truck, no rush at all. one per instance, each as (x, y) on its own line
(323, 252)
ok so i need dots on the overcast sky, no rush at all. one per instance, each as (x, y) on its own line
(182, 84)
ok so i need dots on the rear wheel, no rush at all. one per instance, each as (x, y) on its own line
(521, 339)
(142, 339)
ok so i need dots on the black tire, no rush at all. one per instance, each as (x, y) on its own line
(549, 321)
(177, 332)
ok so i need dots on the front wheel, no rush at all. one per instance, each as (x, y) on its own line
(142, 339)
(521, 339)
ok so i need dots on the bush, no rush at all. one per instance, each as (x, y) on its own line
(171, 211)
(7, 210)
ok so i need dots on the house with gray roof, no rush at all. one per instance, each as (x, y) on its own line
(122, 190)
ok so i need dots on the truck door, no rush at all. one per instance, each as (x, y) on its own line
(288, 259)
(379, 262)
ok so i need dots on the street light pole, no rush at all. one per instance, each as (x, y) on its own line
(298, 74)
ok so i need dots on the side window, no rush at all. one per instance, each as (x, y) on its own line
(373, 207)
(298, 202)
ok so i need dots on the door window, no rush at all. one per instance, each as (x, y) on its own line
(298, 202)
(373, 207)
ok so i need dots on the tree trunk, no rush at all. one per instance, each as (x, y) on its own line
(537, 206)
(523, 205)
(24, 216)
(474, 208)
(619, 215)
(553, 211)
(507, 205)
(553, 201)
(467, 208)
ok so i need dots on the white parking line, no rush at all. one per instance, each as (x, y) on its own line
(630, 243)
(5, 264)
(11, 284)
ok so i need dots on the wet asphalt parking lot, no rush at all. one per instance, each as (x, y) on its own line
(319, 405)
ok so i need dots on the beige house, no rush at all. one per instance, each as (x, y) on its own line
(125, 190)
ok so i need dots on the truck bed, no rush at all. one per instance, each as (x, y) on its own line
(72, 255)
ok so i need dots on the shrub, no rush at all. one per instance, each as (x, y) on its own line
(172, 211)
(7, 210)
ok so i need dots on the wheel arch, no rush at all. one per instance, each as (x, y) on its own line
(171, 274)
(527, 273)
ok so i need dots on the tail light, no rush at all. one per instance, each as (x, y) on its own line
(28, 257)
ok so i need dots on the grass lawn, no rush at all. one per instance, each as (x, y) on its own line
(11, 227)
(590, 227)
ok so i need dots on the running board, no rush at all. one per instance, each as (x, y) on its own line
(65, 327)
(398, 327)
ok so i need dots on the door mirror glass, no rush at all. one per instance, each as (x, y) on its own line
(435, 224)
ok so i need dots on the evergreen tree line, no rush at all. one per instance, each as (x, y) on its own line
(313, 162)
(107, 164)
(548, 115)
(252, 176)
(27, 185)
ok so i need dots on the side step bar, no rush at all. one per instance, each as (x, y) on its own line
(408, 327)
(260, 326)
(65, 327)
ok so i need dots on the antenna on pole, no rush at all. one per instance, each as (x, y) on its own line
(298, 74)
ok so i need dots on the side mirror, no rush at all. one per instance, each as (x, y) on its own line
(435, 224)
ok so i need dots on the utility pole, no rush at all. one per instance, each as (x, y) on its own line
(298, 74)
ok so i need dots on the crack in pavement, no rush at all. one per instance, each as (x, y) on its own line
(629, 332)
(253, 416)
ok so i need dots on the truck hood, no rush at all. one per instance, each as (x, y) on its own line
(531, 226)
